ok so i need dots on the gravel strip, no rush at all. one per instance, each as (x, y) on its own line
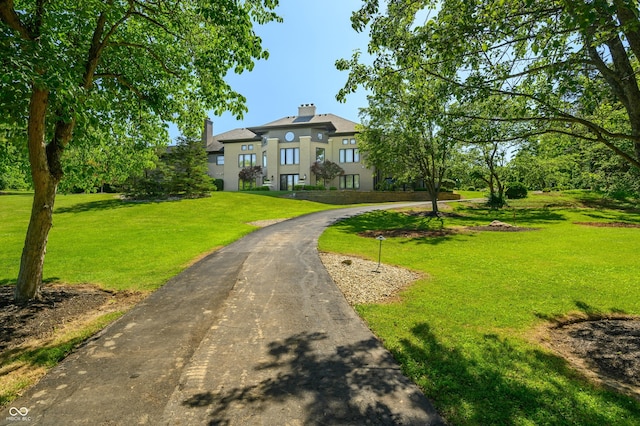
(359, 282)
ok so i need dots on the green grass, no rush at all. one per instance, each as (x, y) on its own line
(119, 245)
(465, 333)
(471, 194)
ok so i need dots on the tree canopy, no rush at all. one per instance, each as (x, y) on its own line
(559, 60)
(70, 70)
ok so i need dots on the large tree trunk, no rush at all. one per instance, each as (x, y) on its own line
(35, 244)
(45, 185)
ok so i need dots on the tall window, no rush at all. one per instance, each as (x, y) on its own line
(264, 160)
(320, 155)
(350, 182)
(289, 156)
(246, 160)
(288, 182)
(350, 155)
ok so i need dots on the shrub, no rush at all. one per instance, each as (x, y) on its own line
(516, 190)
(219, 183)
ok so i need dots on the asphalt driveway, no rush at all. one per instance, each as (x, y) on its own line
(255, 334)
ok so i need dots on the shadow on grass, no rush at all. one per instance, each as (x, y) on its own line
(505, 384)
(12, 281)
(614, 216)
(29, 194)
(590, 313)
(597, 201)
(106, 205)
(531, 216)
(328, 384)
(383, 220)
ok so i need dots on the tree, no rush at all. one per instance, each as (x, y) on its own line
(403, 132)
(487, 143)
(70, 68)
(188, 162)
(14, 165)
(249, 175)
(405, 125)
(560, 58)
(109, 157)
(489, 166)
(326, 170)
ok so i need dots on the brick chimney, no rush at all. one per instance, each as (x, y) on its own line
(306, 110)
(207, 133)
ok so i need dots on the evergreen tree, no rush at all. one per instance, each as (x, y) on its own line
(188, 164)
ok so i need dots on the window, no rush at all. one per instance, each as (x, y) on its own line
(244, 147)
(350, 182)
(246, 160)
(264, 160)
(288, 182)
(320, 155)
(353, 141)
(345, 141)
(220, 160)
(289, 156)
(350, 155)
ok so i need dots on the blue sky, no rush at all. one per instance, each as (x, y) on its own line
(300, 69)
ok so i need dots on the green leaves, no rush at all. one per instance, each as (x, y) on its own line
(552, 55)
(152, 57)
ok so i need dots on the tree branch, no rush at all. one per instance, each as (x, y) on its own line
(9, 16)
(122, 80)
(157, 57)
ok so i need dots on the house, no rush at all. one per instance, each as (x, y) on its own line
(286, 149)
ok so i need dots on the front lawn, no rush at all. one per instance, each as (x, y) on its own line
(468, 332)
(121, 245)
(117, 245)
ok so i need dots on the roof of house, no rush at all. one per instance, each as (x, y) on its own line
(334, 124)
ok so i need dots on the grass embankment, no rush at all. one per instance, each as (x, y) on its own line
(117, 245)
(467, 333)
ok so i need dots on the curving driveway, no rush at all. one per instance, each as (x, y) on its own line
(257, 333)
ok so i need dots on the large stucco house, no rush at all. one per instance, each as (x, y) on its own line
(286, 149)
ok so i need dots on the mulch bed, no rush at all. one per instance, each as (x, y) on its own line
(39, 319)
(606, 350)
(408, 233)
